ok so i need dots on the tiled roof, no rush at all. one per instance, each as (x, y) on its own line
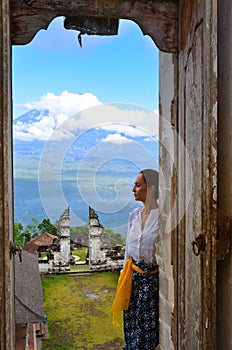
(45, 239)
(28, 289)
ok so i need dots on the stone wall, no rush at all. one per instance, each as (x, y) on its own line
(63, 231)
(45, 268)
(97, 250)
(61, 258)
(164, 245)
(99, 253)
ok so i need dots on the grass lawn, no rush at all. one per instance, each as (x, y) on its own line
(78, 312)
(79, 267)
(81, 253)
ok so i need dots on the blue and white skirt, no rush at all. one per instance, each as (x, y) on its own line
(141, 320)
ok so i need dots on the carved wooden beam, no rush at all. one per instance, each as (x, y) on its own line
(158, 19)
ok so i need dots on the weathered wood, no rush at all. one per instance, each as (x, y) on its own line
(6, 203)
(190, 310)
(224, 267)
(159, 19)
(197, 128)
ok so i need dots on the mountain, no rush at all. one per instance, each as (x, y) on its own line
(94, 167)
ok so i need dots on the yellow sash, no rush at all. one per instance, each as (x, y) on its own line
(123, 293)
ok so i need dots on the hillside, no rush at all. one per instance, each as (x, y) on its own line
(94, 167)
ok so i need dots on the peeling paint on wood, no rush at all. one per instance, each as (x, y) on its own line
(159, 19)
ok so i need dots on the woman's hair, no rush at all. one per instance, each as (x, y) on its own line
(151, 177)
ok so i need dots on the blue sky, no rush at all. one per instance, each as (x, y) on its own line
(109, 83)
(122, 68)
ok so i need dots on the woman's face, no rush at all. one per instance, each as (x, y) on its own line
(140, 188)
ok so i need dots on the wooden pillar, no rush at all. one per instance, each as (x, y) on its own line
(7, 333)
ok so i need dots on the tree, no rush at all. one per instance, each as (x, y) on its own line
(32, 229)
(114, 237)
(82, 234)
(47, 226)
(21, 236)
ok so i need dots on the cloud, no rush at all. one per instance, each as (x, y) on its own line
(66, 115)
(116, 138)
(128, 130)
(40, 130)
(66, 103)
(59, 108)
(131, 121)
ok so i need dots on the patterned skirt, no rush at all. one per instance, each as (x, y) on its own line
(141, 320)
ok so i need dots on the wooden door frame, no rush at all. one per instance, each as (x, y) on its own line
(14, 26)
(7, 341)
(207, 17)
(20, 21)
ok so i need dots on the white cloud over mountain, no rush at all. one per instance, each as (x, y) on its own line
(64, 116)
(66, 103)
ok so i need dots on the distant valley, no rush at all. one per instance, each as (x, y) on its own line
(88, 171)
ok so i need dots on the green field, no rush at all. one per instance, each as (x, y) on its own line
(78, 312)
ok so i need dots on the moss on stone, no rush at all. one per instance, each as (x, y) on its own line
(78, 312)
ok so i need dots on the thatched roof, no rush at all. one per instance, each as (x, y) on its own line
(44, 240)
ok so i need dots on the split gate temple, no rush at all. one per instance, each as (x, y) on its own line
(195, 40)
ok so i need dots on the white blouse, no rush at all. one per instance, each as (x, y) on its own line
(140, 242)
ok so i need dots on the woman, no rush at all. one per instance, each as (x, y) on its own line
(141, 311)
